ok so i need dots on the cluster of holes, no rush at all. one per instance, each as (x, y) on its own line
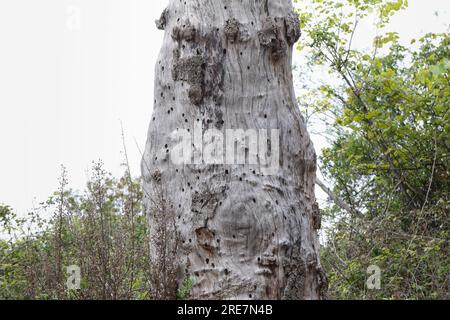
(226, 171)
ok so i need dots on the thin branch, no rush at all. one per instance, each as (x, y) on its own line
(336, 199)
(432, 174)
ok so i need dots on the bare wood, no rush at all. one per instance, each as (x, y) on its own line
(243, 234)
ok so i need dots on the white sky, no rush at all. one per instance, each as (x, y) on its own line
(65, 85)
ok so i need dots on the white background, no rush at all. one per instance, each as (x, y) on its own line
(70, 71)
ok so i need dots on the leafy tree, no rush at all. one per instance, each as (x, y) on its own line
(389, 155)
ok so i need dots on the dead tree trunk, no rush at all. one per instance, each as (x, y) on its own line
(241, 229)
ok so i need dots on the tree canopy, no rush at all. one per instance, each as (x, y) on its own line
(389, 152)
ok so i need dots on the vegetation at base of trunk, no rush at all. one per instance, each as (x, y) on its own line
(102, 231)
(387, 117)
(184, 291)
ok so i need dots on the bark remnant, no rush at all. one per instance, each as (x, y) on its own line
(161, 22)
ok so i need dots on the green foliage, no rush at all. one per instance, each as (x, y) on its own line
(185, 289)
(329, 25)
(389, 156)
(103, 231)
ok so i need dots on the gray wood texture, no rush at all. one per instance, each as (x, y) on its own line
(237, 232)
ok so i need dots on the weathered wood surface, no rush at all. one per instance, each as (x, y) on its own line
(237, 232)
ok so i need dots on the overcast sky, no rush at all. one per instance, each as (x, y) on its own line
(70, 71)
